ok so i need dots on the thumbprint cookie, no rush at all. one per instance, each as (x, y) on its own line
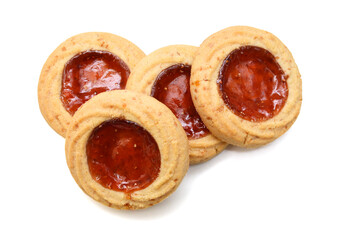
(126, 150)
(80, 68)
(165, 75)
(246, 86)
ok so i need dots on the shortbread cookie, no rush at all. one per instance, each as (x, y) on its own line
(246, 86)
(126, 150)
(165, 75)
(80, 68)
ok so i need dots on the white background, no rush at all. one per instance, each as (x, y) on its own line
(288, 189)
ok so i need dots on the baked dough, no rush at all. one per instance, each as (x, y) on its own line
(142, 80)
(50, 80)
(221, 120)
(147, 112)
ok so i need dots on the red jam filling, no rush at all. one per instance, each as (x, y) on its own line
(252, 83)
(122, 156)
(172, 88)
(90, 73)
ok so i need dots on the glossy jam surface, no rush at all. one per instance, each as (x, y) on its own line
(90, 73)
(122, 156)
(172, 88)
(252, 83)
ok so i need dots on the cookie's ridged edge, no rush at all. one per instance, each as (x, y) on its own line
(222, 122)
(49, 85)
(156, 118)
(201, 154)
(142, 80)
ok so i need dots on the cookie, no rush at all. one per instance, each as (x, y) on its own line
(246, 86)
(126, 150)
(80, 68)
(165, 75)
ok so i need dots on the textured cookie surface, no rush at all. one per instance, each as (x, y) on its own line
(154, 117)
(50, 80)
(143, 80)
(221, 120)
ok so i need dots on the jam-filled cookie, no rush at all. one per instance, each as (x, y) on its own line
(80, 68)
(165, 75)
(246, 86)
(126, 149)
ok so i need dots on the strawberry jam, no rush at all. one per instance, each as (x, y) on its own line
(90, 73)
(252, 83)
(172, 88)
(122, 156)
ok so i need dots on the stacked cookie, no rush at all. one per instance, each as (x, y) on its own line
(182, 105)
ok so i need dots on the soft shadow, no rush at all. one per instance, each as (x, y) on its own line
(196, 170)
(233, 148)
(159, 210)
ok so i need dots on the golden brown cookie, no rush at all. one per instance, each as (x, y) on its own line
(165, 75)
(126, 150)
(246, 86)
(80, 68)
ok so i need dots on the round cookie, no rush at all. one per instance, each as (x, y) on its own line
(165, 74)
(80, 68)
(103, 150)
(246, 86)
